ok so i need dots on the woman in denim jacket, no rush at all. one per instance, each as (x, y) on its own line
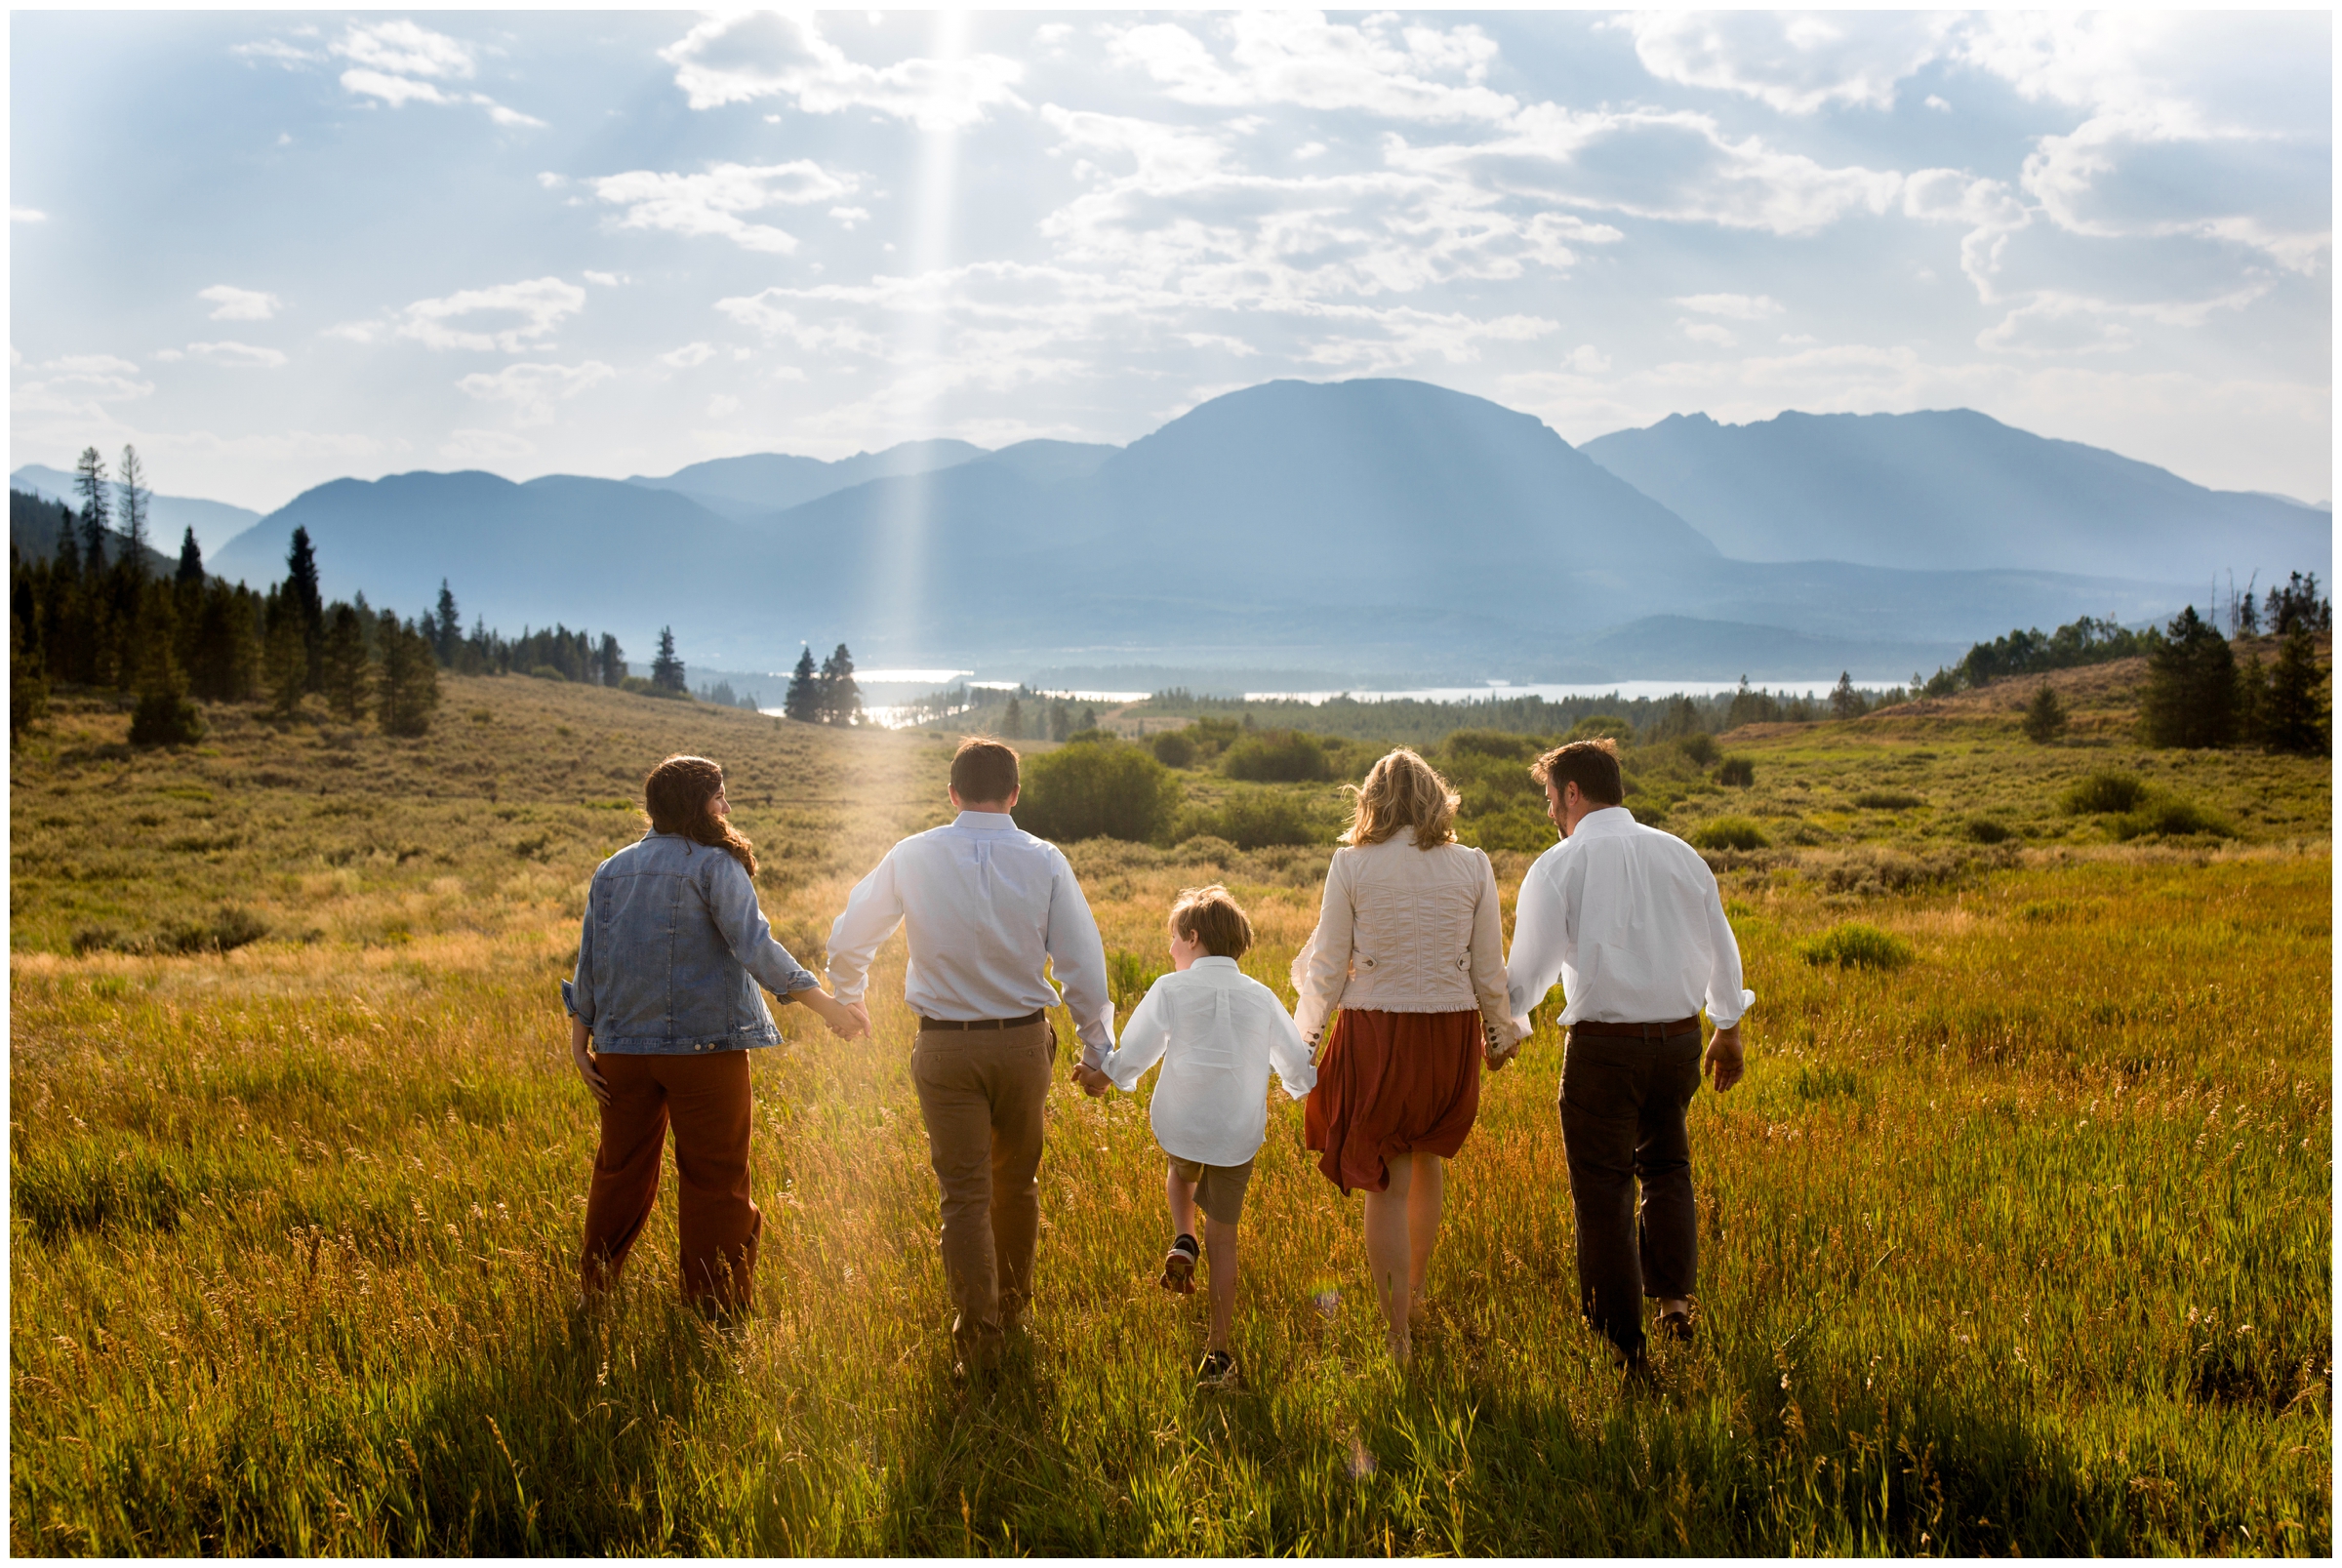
(669, 965)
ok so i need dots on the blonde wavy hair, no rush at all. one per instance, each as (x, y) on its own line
(1403, 790)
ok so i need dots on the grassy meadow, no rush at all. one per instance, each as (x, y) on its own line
(2021, 1243)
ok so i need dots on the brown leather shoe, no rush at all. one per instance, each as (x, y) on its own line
(1676, 1326)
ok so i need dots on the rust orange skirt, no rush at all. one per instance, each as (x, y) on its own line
(1391, 1083)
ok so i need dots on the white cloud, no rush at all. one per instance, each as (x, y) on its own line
(1793, 62)
(392, 89)
(687, 356)
(277, 51)
(73, 390)
(711, 204)
(1588, 360)
(541, 303)
(1379, 66)
(404, 49)
(533, 389)
(240, 305)
(848, 216)
(722, 405)
(742, 57)
(485, 446)
(1709, 332)
(1732, 307)
(27, 214)
(607, 280)
(238, 356)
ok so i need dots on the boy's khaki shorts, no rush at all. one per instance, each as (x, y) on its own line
(1219, 1188)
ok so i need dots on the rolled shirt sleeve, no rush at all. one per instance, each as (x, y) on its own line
(731, 904)
(872, 911)
(1540, 939)
(1077, 957)
(1146, 1035)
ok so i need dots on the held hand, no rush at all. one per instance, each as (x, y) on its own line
(1092, 1080)
(848, 1021)
(583, 1056)
(1495, 1051)
(1723, 1059)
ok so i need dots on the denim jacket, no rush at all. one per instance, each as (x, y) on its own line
(672, 953)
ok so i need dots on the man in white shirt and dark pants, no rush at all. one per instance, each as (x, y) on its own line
(1628, 920)
(987, 904)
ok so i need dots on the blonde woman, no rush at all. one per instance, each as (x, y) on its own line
(1409, 947)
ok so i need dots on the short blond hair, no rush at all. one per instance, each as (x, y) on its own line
(1211, 916)
(1403, 790)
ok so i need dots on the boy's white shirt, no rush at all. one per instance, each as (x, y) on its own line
(1217, 1032)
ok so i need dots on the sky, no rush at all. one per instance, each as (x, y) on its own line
(274, 249)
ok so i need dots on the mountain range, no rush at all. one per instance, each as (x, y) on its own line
(214, 522)
(1388, 528)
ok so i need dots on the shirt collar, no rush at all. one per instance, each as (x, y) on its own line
(985, 821)
(1607, 819)
(1211, 961)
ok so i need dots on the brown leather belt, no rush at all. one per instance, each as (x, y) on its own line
(1636, 1032)
(1033, 1017)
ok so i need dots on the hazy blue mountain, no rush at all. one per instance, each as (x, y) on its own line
(561, 548)
(33, 522)
(1953, 490)
(1052, 463)
(767, 482)
(214, 522)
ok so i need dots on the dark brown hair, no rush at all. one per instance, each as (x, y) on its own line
(679, 797)
(1403, 790)
(984, 769)
(1590, 765)
(1209, 915)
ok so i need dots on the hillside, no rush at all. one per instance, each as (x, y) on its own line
(766, 482)
(214, 522)
(1953, 490)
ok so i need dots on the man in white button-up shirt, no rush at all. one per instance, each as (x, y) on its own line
(1628, 920)
(987, 906)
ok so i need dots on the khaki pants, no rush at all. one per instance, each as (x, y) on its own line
(1623, 1103)
(982, 1092)
(705, 1096)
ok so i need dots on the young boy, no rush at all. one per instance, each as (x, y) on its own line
(1217, 1032)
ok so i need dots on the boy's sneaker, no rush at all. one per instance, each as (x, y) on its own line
(1179, 1265)
(1218, 1370)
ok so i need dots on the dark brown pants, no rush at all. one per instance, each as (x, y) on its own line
(705, 1096)
(982, 1092)
(1622, 1122)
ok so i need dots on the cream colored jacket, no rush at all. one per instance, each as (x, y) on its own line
(1405, 930)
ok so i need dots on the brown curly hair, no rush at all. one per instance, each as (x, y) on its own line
(679, 797)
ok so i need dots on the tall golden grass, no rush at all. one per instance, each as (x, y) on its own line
(2023, 1246)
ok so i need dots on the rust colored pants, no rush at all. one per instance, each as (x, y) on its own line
(705, 1096)
(982, 1092)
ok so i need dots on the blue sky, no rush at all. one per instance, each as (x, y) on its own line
(276, 248)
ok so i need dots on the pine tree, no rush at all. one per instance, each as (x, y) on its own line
(1060, 722)
(191, 560)
(28, 668)
(667, 671)
(285, 663)
(610, 661)
(309, 605)
(2190, 694)
(1844, 701)
(164, 715)
(2045, 716)
(804, 700)
(89, 477)
(2294, 718)
(221, 667)
(841, 698)
(345, 668)
(407, 688)
(131, 484)
(1011, 723)
(451, 626)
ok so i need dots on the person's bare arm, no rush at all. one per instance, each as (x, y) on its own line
(580, 1053)
(846, 1020)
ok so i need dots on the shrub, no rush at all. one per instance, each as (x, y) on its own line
(644, 688)
(550, 672)
(1102, 789)
(1276, 756)
(1600, 726)
(1855, 946)
(2170, 817)
(1501, 744)
(165, 718)
(1174, 748)
(1700, 748)
(1888, 800)
(1737, 773)
(1255, 818)
(1731, 832)
(1987, 831)
(2103, 791)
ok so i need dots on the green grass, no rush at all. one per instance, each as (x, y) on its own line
(2023, 1247)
